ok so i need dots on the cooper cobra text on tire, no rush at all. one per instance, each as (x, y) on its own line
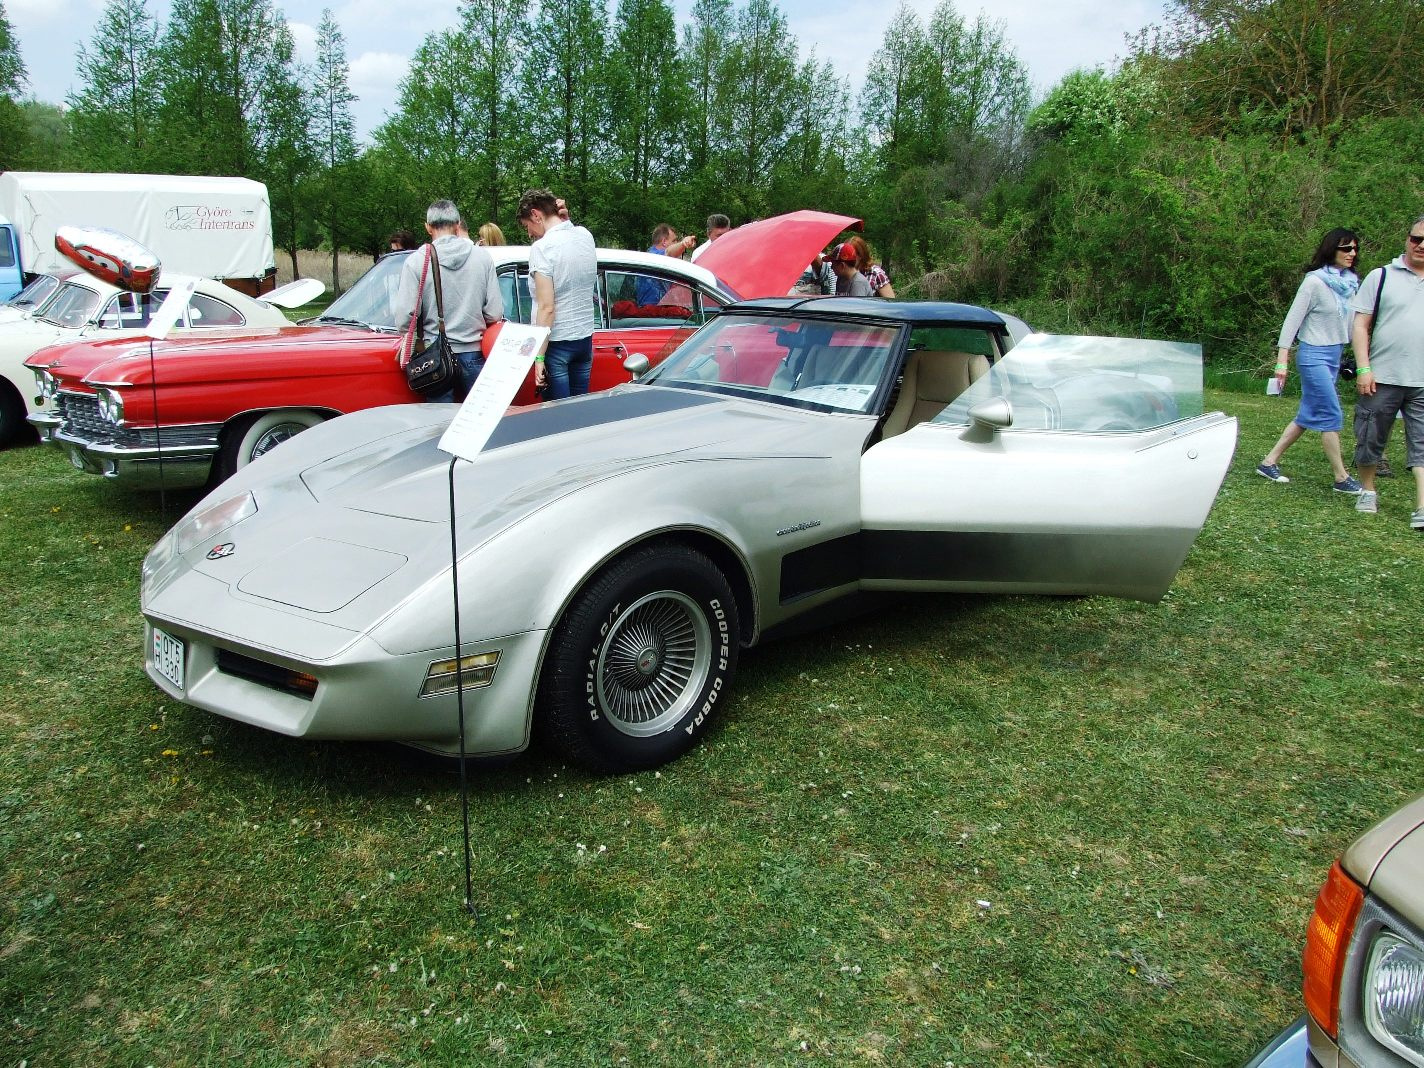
(641, 660)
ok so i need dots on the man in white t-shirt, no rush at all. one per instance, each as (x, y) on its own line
(717, 225)
(564, 269)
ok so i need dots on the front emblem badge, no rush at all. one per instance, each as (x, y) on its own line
(217, 552)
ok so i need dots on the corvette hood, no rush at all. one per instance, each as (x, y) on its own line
(764, 258)
(538, 454)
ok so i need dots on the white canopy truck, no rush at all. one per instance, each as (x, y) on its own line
(209, 227)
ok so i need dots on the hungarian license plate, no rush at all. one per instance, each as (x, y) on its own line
(168, 657)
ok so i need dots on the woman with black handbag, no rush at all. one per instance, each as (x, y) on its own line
(451, 289)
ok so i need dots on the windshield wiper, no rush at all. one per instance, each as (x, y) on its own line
(337, 320)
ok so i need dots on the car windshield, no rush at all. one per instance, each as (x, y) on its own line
(372, 300)
(34, 294)
(71, 307)
(803, 362)
(1088, 384)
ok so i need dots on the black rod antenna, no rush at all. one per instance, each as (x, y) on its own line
(460, 694)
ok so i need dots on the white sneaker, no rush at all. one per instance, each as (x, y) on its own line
(1367, 501)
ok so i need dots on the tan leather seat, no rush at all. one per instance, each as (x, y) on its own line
(932, 379)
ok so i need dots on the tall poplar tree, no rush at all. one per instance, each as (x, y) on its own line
(757, 94)
(648, 99)
(333, 132)
(565, 103)
(431, 145)
(13, 132)
(501, 28)
(224, 66)
(705, 40)
(113, 113)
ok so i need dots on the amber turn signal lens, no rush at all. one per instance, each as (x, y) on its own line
(1326, 940)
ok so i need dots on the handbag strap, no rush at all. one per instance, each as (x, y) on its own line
(416, 330)
(1374, 318)
(439, 296)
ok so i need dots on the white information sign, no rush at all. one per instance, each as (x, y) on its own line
(504, 372)
(169, 312)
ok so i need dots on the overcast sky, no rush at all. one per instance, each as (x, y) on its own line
(1052, 37)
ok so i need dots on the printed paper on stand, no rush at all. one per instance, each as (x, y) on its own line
(169, 312)
(503, 374)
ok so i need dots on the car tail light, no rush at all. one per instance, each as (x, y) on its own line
(1326, 940)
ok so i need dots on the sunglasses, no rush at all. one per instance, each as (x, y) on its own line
(1415, 239)
(1347, 248)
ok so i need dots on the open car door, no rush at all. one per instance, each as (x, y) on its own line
(1075, 465)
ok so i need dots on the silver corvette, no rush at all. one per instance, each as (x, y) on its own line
(614, 552)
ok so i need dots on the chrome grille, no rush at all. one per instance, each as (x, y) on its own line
(80, 417)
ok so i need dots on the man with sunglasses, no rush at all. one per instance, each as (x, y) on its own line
(1388, 337)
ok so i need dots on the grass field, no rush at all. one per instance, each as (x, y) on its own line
(972, 831)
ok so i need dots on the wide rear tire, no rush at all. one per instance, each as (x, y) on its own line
(640, 661)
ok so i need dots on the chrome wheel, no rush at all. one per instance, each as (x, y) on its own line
(654, 663)
(274, 436)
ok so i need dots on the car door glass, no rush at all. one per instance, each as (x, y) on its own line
(71, 307)
(130, 311)
(1088, 384)
(206, 312)
(516, 293)
(639, 298)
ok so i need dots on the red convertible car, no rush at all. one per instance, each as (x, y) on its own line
(192, 411)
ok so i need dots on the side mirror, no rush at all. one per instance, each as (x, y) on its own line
(987, 417)
(637, 365)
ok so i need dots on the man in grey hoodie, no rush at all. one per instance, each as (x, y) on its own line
(471, 292)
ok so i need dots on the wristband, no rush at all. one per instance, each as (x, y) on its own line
(1280, 367)
(538, 359)
(1363, 371)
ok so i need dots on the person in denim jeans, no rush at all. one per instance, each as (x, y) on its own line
(471, 292)
(564, 268)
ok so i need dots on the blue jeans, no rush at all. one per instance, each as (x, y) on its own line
(468, 366)
(568, 364)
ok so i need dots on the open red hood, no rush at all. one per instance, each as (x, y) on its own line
(764, 258)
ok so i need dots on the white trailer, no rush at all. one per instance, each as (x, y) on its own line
(212, 227)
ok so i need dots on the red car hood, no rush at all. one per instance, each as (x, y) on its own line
(764, 258)
(76, 361)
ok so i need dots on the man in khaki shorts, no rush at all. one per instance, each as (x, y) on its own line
(1388, 338)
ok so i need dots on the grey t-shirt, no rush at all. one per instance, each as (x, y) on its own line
(857, 285)
(1397, 342)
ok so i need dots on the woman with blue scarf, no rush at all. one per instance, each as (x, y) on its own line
(1319, 319)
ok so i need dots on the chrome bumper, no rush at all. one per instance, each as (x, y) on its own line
(178, 466)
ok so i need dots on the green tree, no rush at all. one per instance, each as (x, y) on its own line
(223, 66)
(500, 27)
(432, 141)
(647, 109)
(112, 114)
(1288, 66)
(705, 40)
(562, 85)
(14, 135)
(757, 96)
(894, 89)
(333, 133)
(284, 150)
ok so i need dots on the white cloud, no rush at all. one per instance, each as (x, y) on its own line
(304, 38)
(377, 73)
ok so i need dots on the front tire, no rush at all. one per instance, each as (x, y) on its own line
(641, 659)
(256, 435)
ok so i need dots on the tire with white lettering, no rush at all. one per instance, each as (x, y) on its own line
(640, 661)
(256, 435)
